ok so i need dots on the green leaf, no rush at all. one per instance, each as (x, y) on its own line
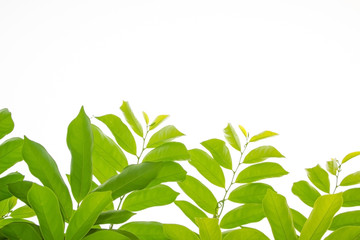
(351, 197)
(145, 230)
(23, 212)
(232, 137)
(131, 119)
(80, 143)
(261, 154)
(121, 132)
(106, 234)
(199, 193)
(350, 156)
(107, 156)
(332, 166)
(209, 228)
(190, 210)
(321, 216)
(8, 179)
(6, 205)
(114, 217)
(249, 193)
(169, 172)
(351, 218)
(351, 179)
(20, 190)
(319, 177)
(207, 166)
(305, 192)
(6, 122)
(44, 201)
(262, 135)
(10, 153)
(178, 232)
(279, 216)
(219, 151)
(171, 151)
(43, 166)
(146, 118)
(86, 215)
(246, 234)
(149, 197)
(164, 135)
(21, 230)
(260, 171)
(243, 131)
(345, 233)
(298, 218)
(6, 221)
(247, 213)
(159, 119)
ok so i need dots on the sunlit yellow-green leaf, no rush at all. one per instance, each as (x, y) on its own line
(249, 193)
(351, 197)
(332, 166)
(145, 230)
(190, 210)
(351, 179)
(10, 153)
(209, 228)
(164, 135)
(247, 213)
(345, 233)
(298, 218)
(351, 218)
(178, 232)
(262, 135)
(319, 177)
(305, 192)
(260, 171)
(23, 212)
(261, 154)
(350, 156)
(131, 119)
(171, 151)
(6, 122)
(232, 137)
(158, 120)
(219, 151)
(246, 234)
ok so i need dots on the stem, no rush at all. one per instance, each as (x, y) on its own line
(337, 178)
(143, 145)
(118, 207)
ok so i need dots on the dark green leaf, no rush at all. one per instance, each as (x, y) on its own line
(169, 172)
(131, 119)
(350, 156)
(305, 192)
(159, 119)
(114, 217)
(319, 177)
(6, 205)
(171, 151)
(247, 213)
(260, 171)
(20, 190)
(351, 197)
(351, 218)
(6, 122)
(178, 232)
(261, 154)
(209, 228)
(332, 166)
(8, 179)
(345, 233)
(23, 212)
(164, 135)
(219, 151)
(232, 137)
(298, 218)
(21, 230)
(145, 230)
(249, 193)
(351, 179)
(246, 234)
(190, 210)
(10, 153)
(262, 135)
(106, 234)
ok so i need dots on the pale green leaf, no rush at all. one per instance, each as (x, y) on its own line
(262, 135)
(350, 156)
(351, 179)
(260, 171)
(345, 233)
(261, 154)
(219, 151)
(164, 135)
(146, 118)
(332, 166)
(243, 131)
(209, 228)
(6, 205)
(246, 234)
(247, 213)
(305, 192)
(145, 230)
(23, 212)
(190, 210)
(171, 151)
(178, 232)
(114, 217)
(319, 177)
(249, 193)
(158, 120)
(10, 153)
(344, 219)
(232, 137)
(298, 218)
(131, 119)
(351, 197)
(6, 122)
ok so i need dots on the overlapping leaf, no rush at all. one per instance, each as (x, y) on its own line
(131, 119)
(171, 151)
(219, 151)
(191, 211)
(209, 228)
(145, 230)
(305, 192)
(164, 135)
(6, 122)
(10, 153)
(249, 193)
(178, 232)
(232, 137)
(260, 171)
(246, 234)
(319, 177)
(261, 154)
(247, 213)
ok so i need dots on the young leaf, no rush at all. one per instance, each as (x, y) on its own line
(249, 193)
(106, 234)
(86, 215)
(21, 230)
(351, 179)
(121, 132)
(43, 166)
(319, 177)
(219, 151)
(149, 197)
(243, 131)
(279, 216)
(145, 230)
(171, 151)
(164, 135)
(6, 205)
(247, 213)
(298, 218)
(332, 166)
(351, 197)
(190, 210)
(10, 153)
(23, 212)
(209, 228)
(178, 232)
(351, 218)
(44, 201)
(246, 233)
(207, 167)
(232, 137)
(6, 122)
(159, 119)
(350, 156)
(80, 143)
(262, 135)
(345, 233)
(8, 179)
(305, 192)
(131, 119)
(146, 118)
(261, 154)
(114, 217)
(169, 172)
(260, 171)
(199, 193)
(321, 216)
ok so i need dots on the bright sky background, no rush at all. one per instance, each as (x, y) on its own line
(287, 66)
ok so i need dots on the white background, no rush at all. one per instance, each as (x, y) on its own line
(287, 66)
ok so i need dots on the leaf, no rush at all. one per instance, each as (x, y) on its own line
(6, 122)
(249, 193)
(159, 119)
(219, 151)
(321, 216)
(149, 197)
(246, 234)
(131, 119)
(86, 215)
(232, 137)
(171, 151)
(145, 230)
(164, 135)
(351, 218)
(106, 234)
(262, 135)
(190, 210)
(351, 179)
(169, 172)
(243, 131)
(10, 153)
(298, 218)
(21, 230)
(114, 217)
(260, 171)
(345, 233)
(20, 190)
(247, 213)
(319, 177)
(351, 197)
(305, 192)
(23, 212)
(178, 232)
(209, 228)
(44, 201)
(207, 167)
(8, 179)
(279, 216)
(146, 118)
(6, 206)
(199, 193)
(121, 132)
(107, 156)
(80, 143)
(43, 166)
(261, 154)
(350, 156)
(332, 166)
